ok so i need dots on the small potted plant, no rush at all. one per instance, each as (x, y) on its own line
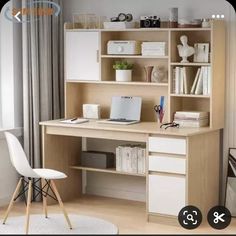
(123, 71)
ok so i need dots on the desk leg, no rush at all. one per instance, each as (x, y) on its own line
(60, 153)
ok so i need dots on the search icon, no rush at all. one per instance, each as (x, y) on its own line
(190, 217)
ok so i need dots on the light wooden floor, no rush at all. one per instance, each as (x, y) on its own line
(129, 216)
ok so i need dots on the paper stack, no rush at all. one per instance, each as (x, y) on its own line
(153, 48)
(192, 119)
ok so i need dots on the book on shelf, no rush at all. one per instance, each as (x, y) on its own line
(192, 119)
(192, 124)
(186, 80)
(195, 81)
(191, 114)
(130, 159)
(118, 158)
(199, 85)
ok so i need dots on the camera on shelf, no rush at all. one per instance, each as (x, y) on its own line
(150, 22)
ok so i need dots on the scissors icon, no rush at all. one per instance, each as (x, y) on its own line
(160, 113)
(218, 217)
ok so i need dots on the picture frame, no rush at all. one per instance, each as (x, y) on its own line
(230, 192)
(202, 51)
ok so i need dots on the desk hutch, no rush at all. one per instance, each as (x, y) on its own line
(182, 164)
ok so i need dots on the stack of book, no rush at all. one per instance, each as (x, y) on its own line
(187, 81)
(130, 159)
(192, 119)
(153, 48)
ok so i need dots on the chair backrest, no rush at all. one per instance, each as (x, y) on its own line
(18, 157)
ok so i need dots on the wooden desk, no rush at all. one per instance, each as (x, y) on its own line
(194, 151)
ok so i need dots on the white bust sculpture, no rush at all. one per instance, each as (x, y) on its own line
(185, 50)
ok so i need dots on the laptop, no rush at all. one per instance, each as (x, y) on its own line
(124, 110)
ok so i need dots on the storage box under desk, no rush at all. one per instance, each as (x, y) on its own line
(95, 159)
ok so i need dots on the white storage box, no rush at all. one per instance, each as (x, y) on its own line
(118, 25)
(125, 47)
(154, 48)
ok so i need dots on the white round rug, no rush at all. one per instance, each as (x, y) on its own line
(56, 224)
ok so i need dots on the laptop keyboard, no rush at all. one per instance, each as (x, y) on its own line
(121, 120)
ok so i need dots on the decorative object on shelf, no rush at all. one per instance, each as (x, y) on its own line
(121, 47)
(187, 23)
(173, 17)
(148, 72)
(159, 75)
(185, 50)
(122, 21)
(150, 22)
(119, 25)
(122, 17)
(123, 71)
(196, 23)
(184, 23)
(201, 52)
(88, 21)
(206, 23)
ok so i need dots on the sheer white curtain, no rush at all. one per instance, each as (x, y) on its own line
(43, 83)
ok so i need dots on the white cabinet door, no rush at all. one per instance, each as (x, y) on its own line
(81, 56)
(166, 194)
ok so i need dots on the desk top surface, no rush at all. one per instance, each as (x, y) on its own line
(151, 128)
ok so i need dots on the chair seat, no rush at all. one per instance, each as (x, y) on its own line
(49, 174)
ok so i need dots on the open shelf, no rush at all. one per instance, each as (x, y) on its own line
(139, 29)
(190, 95)
(134, 56)
(118, 83)
(109, 170)
(189, 64)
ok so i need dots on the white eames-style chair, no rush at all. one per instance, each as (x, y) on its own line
(21, 164)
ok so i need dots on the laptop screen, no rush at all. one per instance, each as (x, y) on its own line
(124, 107)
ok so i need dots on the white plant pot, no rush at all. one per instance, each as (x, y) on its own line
(123, 75)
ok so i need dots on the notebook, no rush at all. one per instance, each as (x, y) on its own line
(125, 110)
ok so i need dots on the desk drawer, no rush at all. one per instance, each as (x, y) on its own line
(166, 194)
(167, 164)
(167, 145)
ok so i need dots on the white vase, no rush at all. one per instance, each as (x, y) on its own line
(123, 75)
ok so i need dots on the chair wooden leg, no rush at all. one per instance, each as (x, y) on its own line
(12, 200)
(44, 201)
(61, 203)
(28, 207)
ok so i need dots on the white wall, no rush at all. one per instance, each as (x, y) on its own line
(187, 8)
(103, 184)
